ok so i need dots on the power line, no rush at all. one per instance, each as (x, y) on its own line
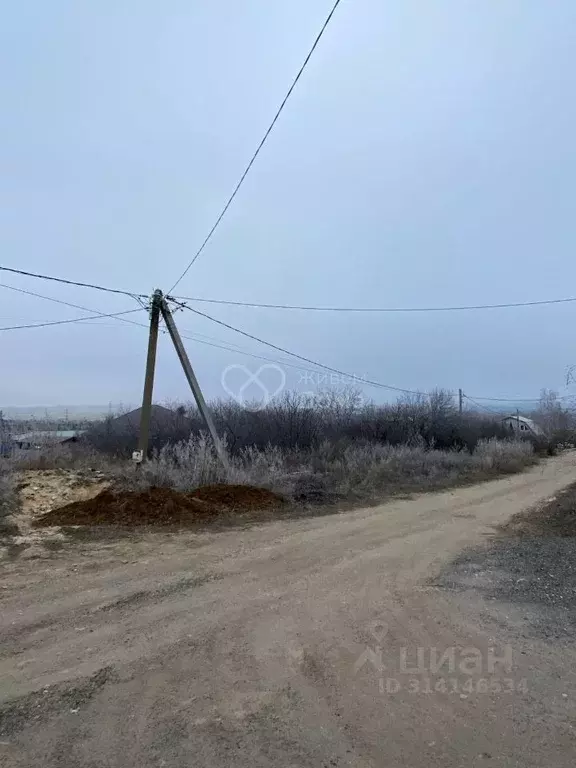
(241, 351)
(227, 345)
(244, 351)
(81, 321)
(307, 359)
(518, 399)
(511, 399)
(66, 303)
(212, 342)
(377, 309)
(74, 282)
(255, 155)
(230, 346)
(343, 373)
(72, 320)
(262, 305)
(484, 407)
(508, 399)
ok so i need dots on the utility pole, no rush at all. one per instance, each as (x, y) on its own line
(460, 401)
(192, 381)
(146, 410)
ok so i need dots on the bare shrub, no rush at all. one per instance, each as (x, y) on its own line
(552, 415)
(181, 466)
(300, 421)
(504, 456)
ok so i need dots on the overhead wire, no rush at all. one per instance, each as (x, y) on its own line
(194, 337)
(139, 297)
(262, 142)
(307, 359)
(512, 399)
(66, 303)
(484, 407)
(251, 354)
(507, 399)
(229, 347)
(71, 320)
(361, 380)
(73, 282)
(305, 308)
(300, 307)
(81, 321)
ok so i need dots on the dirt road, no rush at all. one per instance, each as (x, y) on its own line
(320, 642)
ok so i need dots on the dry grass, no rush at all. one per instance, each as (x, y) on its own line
(8, 495)
(331, 472)
(56, 456)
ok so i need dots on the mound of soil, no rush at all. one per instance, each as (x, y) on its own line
(235, 496)
(161, 506)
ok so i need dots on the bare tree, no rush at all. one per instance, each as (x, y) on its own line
(551, 414)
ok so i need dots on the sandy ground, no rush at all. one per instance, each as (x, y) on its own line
(322, 642)
(41, 491)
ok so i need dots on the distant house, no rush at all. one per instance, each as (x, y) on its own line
(522, 426)
(120, 434)
(34, 440)
(161, 419)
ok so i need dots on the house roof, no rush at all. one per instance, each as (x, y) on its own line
(39, 437)
(159, 417)
(524, 420)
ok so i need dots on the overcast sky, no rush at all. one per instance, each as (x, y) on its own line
(427, 157)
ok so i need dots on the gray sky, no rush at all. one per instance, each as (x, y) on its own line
(426, 158)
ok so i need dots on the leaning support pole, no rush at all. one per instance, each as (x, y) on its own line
(146, 410)
(192, 381)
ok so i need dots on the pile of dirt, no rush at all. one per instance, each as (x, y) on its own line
(161, 506)
(235, 496)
